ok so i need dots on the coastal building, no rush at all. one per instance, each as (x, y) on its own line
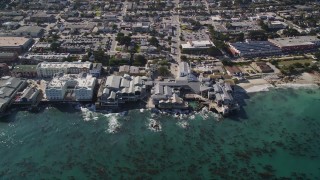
(262, 67)
(173, 102)
(49, 69)
(120, 89)
(254, 49)
(165, 93)
(9, 87)
(15, 44)
(71, 87)
(296, 43)
(222, 95)
(29, 96)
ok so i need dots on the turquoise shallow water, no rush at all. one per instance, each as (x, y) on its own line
(275, 136)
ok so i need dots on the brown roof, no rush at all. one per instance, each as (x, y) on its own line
(233, 69)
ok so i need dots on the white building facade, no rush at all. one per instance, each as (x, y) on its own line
(80, 87)
(49, 69)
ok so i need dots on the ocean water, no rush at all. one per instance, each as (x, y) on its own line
(275, 135)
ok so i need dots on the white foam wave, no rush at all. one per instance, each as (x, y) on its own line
(259, 88)
(192, 116)
(267, 87)
(88, 115)
(298, 86)
(154, 125)
(183, 116)
(113, 124)
(217, 116)
(183, 124)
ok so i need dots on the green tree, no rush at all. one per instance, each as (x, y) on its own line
(298, 65)
(154, 41)
(55, 37)
(139, 60)
(227, 63)
(263, 25)
(69, 59)
(291, 32)
(258, 35)
(315, 68)
(123, 40)
(213, 51)
(119, 36)
(184, 58)
(306, 64)
(292, 69)
(114, 27)
(240, 37)
(55, 47)
(228, 25)
(100, 57)
(163, 71)
(126, 41)
(317, 55)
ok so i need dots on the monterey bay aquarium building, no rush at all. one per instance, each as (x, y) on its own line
(274, 47)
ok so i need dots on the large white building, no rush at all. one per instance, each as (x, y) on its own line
(121, 89)
(65, 86)
(9, 87)
(197, 45)
(49, 69)
(184, 69)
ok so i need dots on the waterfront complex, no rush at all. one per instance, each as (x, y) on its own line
(71, 87)
(168, 55)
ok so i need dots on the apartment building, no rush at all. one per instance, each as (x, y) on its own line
(49, 69)
(71, 87)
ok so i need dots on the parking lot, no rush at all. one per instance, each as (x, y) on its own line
(196, 35)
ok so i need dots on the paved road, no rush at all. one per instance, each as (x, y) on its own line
(176, 38)
(113, 43)
(207, 6)
(124, 10)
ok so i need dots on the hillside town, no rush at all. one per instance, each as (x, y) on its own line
(167, 55)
